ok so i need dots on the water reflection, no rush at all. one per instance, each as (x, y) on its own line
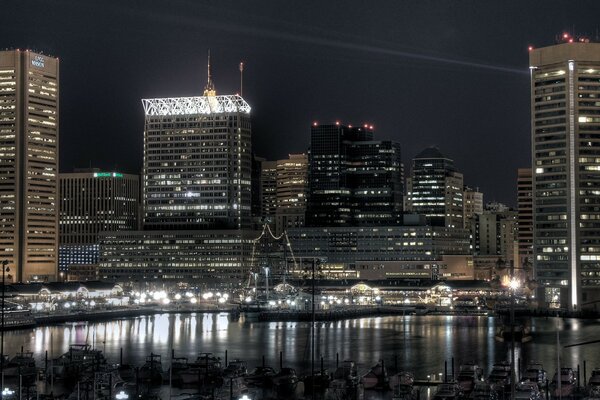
(418, 344)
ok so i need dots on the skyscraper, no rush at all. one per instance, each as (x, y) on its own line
(525, 216)
(473, 205)
(435, 189)
(197, 162)
(91, 202)
(29, 100)
(268, 190)
(292, 188)
(565, 110)
(353, 179)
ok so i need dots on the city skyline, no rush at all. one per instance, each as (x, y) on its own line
(398, 81)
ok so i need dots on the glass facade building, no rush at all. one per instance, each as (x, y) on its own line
(353, 179)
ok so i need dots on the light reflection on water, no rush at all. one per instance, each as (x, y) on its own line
(418, 344)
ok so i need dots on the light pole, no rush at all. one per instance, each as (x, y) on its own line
(4, 270)
(513, 285)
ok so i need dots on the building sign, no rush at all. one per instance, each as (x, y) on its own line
(38, 61)
(107, 175)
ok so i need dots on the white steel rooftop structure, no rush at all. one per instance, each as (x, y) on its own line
(196, 105)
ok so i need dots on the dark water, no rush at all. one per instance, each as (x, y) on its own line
(419, 344)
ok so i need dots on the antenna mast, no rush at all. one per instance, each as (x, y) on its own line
(242, 79)
(209, 90)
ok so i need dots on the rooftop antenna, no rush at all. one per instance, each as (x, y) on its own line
(209, 90)
(241, 78)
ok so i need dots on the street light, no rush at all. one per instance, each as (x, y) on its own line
(7, 392)
(122, 395)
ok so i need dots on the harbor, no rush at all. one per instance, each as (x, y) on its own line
(400, 343)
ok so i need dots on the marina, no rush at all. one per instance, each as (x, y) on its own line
(195, 350)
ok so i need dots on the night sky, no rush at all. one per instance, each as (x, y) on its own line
(447, 73)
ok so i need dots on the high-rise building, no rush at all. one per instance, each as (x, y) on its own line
(197, 162)
(91, 202)
(29, 101)
(292, 188)
(353, 179)
(435, 189)
(525, 216)
(494, 234)
(268, 190)
(565, 109)
(197, 200)
(472, 205)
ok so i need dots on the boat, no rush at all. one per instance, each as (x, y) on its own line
(320, 381)
(402, 386)
(81, 358)
(206, 370)
(528, 391)
(522, 333)
(594, 378)
(126, 372)
(344, 381)
(376, 378)
(284, 382)
(483, 391)
(468, 374)
(534, 372)
(500, 377)
(235, 369)
(21, 365)
(178, 365)
(448, 391)
(152, 370)
(568, 382)
(259, 376)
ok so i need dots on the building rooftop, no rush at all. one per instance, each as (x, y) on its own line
(195, 105)
(431, 152)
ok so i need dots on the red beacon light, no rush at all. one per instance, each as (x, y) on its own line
(315, 123)
(565, 35)
(571, 40)
(337, 122)
(371, 127)
(530, 48)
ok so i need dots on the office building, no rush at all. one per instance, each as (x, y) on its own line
(29, 126)
(525, 217)
(417, 247)
(353, 179)
(268, 190)
(197, 162)
(292, 190)
(213, 257)
(494, 234)
(472, 205)
(94, 201)
(565, 108)
(435, 189)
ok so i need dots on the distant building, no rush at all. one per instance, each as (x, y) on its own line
(292, 191)
(212, 257)
(565, 128)
(353, 179)
(29, 113)
(435, 189)
(268, 190)
(343, 248)
(494, 234)
(472, 204)
(93, 201)
(525, 216)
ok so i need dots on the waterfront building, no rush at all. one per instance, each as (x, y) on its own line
(525, 217)
(197, 162)
(218, 257)
(29, 128)
(565, 132)
(353, 179)
(435, 189)
(472, 205)
(343, 248)
(292, 190)
(92, 201)
(197, 201)
(494, 234)
(268, 190)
